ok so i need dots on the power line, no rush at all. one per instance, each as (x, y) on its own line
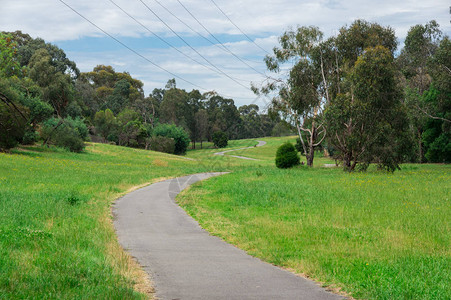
(142, 56)
(161, 39)
(132, 50)
(181, 38)
(209, 32)
(223, 48)
(238, 27)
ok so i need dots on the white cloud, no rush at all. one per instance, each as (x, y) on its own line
(264, 20)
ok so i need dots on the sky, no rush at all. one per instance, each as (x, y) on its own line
(209, 45)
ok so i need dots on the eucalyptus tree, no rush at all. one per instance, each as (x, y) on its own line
(366, 120)
(425, 64)
(300, 95)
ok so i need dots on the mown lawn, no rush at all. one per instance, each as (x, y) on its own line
(56, 236)
(374, 235)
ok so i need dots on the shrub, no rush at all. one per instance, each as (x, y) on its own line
(30, 137)
(220, 139)
(67, 133)
(179, 135)
(162, 144)
(12, 126)
(287, 156)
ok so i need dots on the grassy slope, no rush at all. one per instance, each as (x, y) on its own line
(56, 235)
(375, 235)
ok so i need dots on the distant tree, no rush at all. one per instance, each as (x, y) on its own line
(105, 80)
(57, 88)
(119, 99)
(148, 108)
(368, 123)
(426, 72)
(174, 106)
(302, 96)
(66, 133)
(222, 115)
(13, 117)
(9, 60)
(27, 47)
(220, 139)
(179, 135)
(201, 118)
(131, 132)
(106, 125)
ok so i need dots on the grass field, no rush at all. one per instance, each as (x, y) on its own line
(56, 235)
(374, 235)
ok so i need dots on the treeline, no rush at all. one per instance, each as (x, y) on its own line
(356, 96)
(45, 97)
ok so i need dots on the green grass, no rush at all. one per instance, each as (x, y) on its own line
(56, 235)
(374, 235)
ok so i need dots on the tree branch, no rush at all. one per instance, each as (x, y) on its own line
(431, 116)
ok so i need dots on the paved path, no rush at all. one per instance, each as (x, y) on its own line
(185, 262)
(260, 143)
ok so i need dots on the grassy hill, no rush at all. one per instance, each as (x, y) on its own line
(373, 235)
(56, 234)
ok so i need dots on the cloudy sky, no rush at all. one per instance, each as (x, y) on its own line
(204, 44)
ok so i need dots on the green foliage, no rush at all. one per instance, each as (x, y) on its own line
(437, 141)
(106, 124)
(302, 96)
(367, 122)
(57, 87)
(162, 144)
(131, 131)
(13, 117)
(287, 156)
(424, 62)
(66, 133)
(30, 137)
(12, 125)
(179, 135)
(220, 139)
(9, 64)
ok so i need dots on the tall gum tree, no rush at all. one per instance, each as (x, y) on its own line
(301, 95)
(366, 120)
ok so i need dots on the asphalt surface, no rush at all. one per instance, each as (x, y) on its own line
(260, 143)
(185, 262)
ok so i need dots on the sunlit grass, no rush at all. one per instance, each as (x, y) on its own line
(375, 235)
(56, 234)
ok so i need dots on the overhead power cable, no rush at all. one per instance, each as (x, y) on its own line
(182, 39)
(233, 23)
(163, 40)
(132, 50)
(223, 48)
(210, 33)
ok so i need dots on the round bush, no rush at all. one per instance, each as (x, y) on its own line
(287, 156)
(220, 139)
(179, 135)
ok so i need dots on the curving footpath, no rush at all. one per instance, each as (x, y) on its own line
(185, 262)
(260, 143)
